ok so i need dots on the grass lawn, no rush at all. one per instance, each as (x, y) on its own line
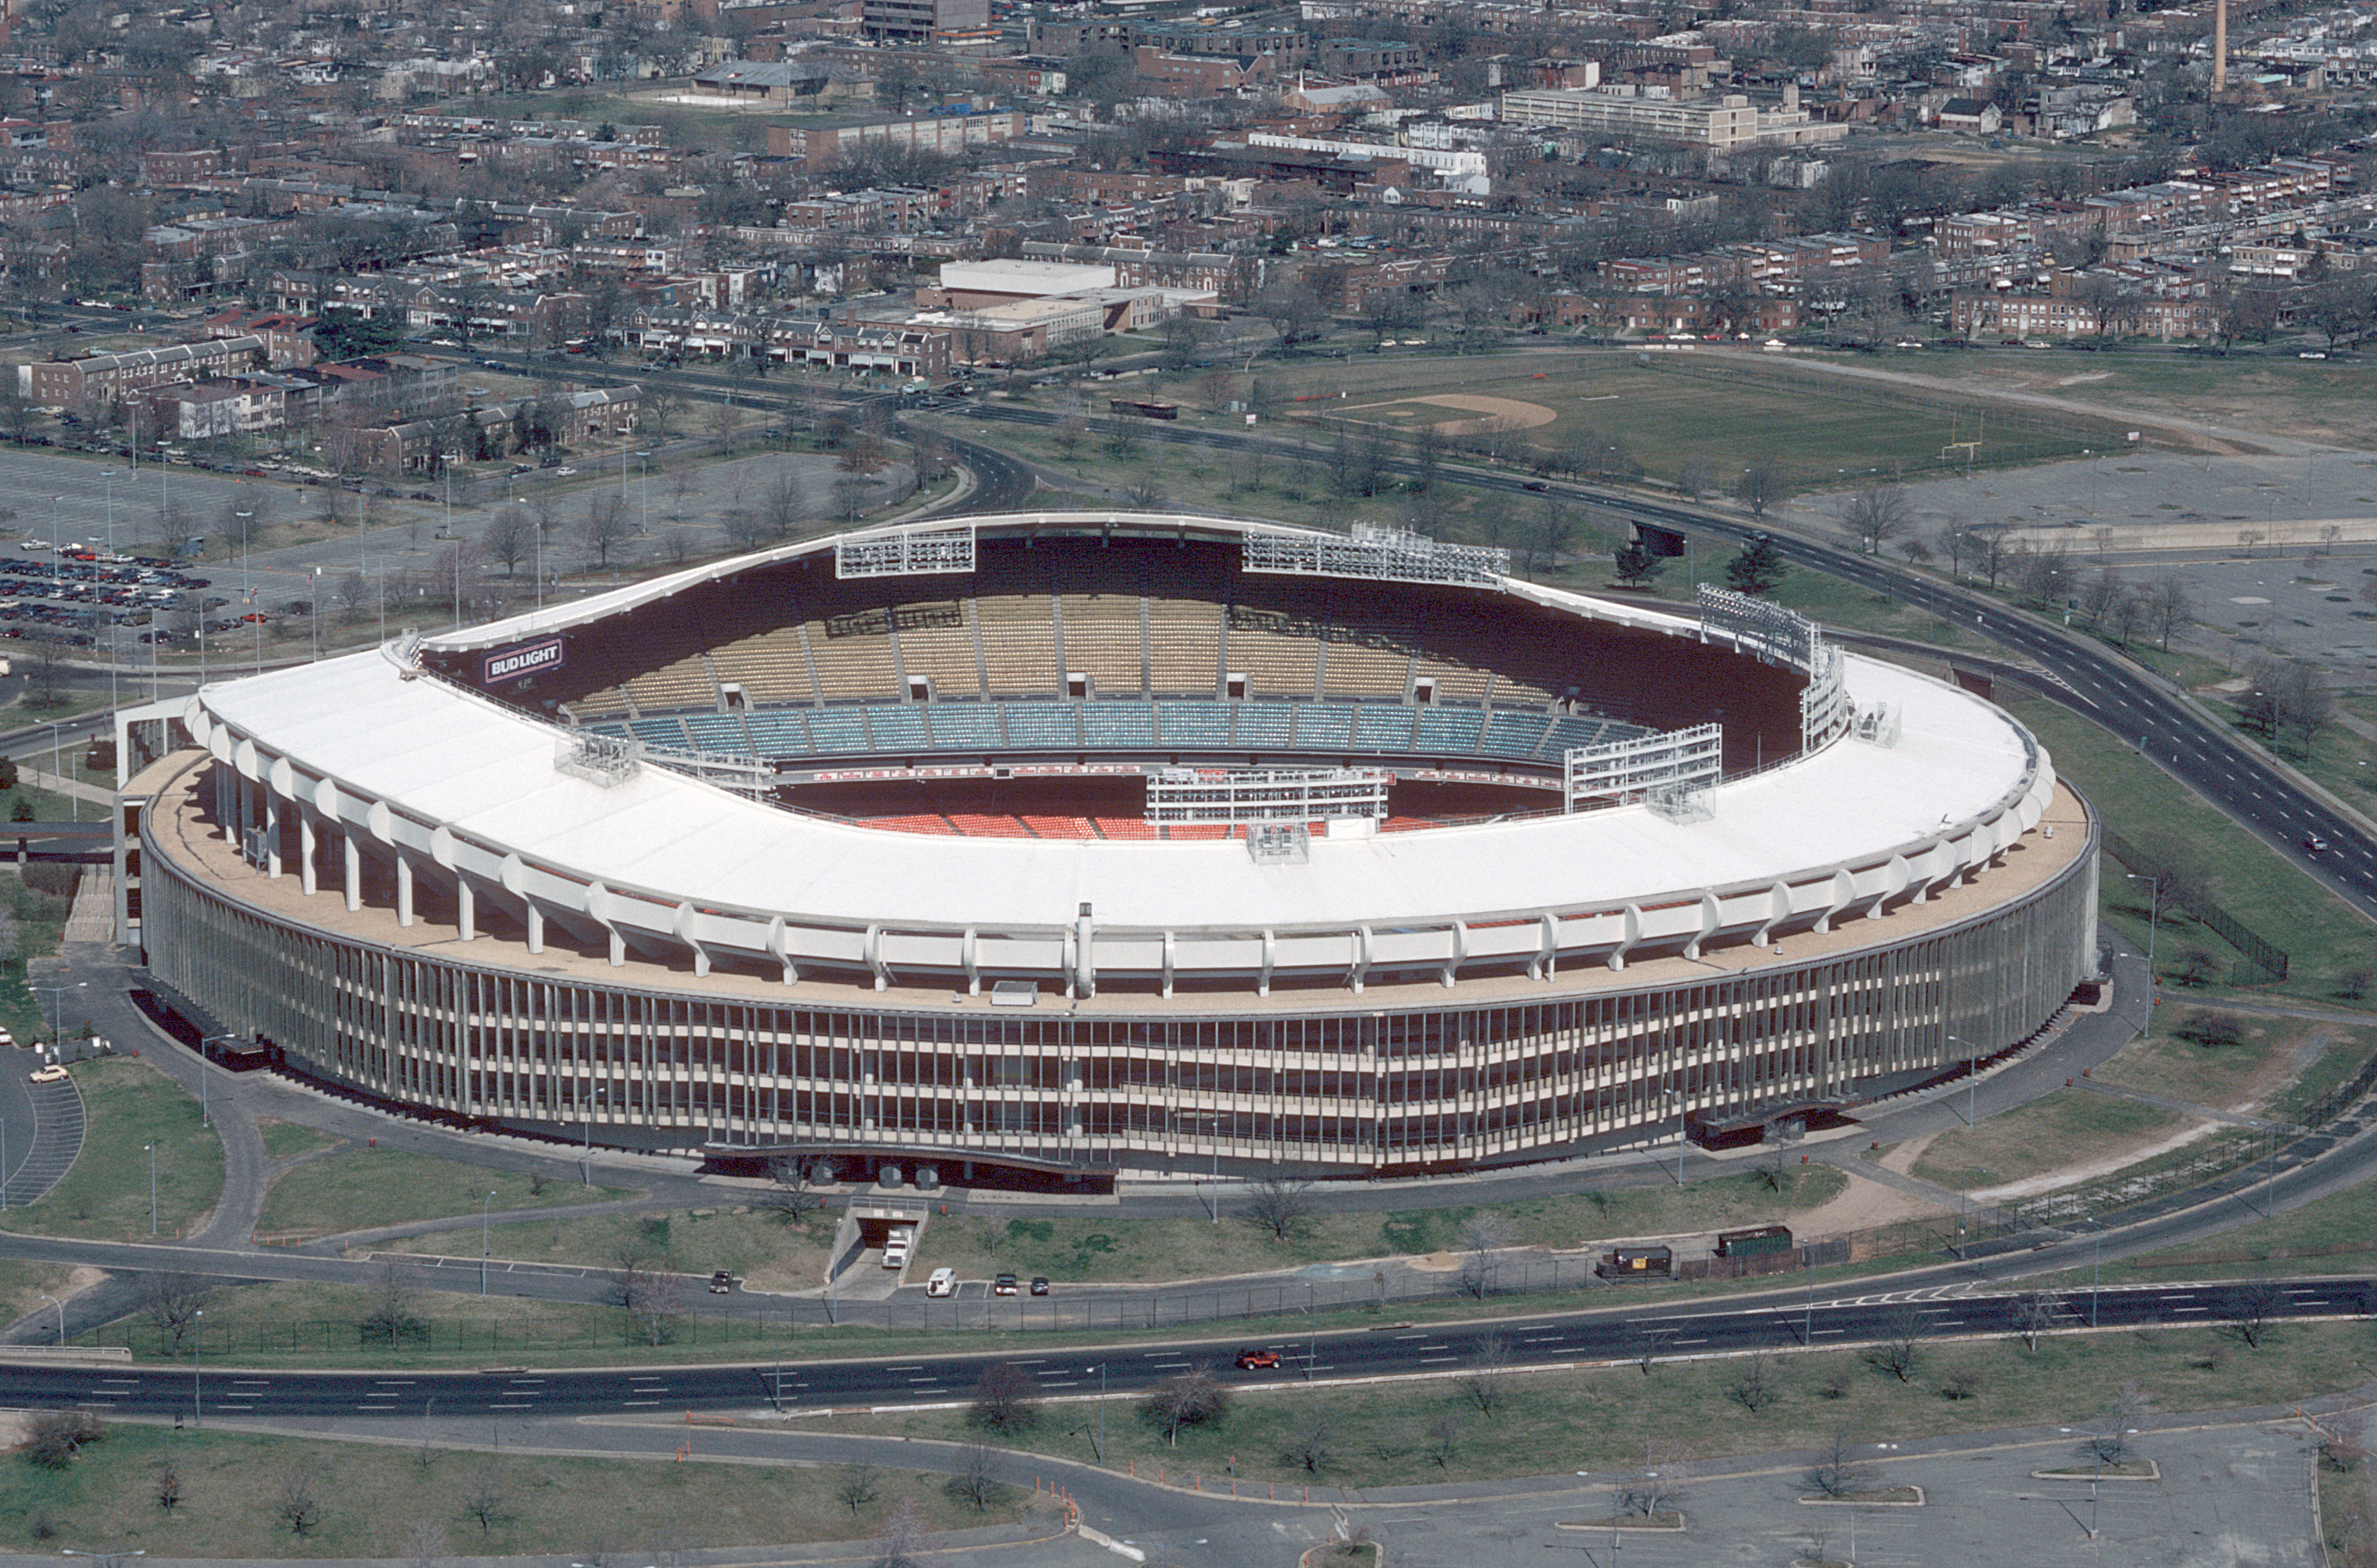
(22, 1285)
(2044, 1135)
(763, 1252)
(1108, 1250)
(371, 1497)
(2332, 1235)
(2324, 938)
(285, 1139)
(1606, 1420)
(2276, 1061)
(357, 1189)
(40, 918)
(129, 1106)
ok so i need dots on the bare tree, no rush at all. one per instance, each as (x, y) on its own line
(1900, 1349)
(509, 537)
(790, 1195)
(605, 527)
(1444, 1439)
(1192, 1399)
(975, 1480)
(1311, 1442)
(1961, 1382)
(1487, 1380)
(653, 1294)
(488, 1500)
(1755, 1386)
(856, 1486)
(1006, 1399)
(2114, 1439)
(1659, 1486)
(1877, 514)
(1279, 1204)
(297, 1505)
(2343, 1445)
(170, 1303)
(1839, 1467)
(392, 1315)
(53, 1438)
(166, 1483)
(2247, 1310)
(1649, 1340)
(905, 1537)
(2035, 1312)
(425, 1544)
(1482, 1234)
(1763, 484)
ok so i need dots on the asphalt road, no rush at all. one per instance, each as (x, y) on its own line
(1649, 1329)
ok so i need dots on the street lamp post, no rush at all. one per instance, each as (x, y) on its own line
(61, 1306)
(197, 1401)
(57, 1010)
(74, 801)
(1677, 1095)
(644, 482)
(2153, 919)
(489, 1197)
(1972, 1088)
(152, 1187)
(1311, 1327)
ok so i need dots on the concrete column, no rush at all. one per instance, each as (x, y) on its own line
(403, 888)
(271, 830)
(536, 927)
(308, 846)
(466, 908)
(355, 860)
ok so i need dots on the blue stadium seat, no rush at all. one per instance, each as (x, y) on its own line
(1264, 724)
(615, 726)
(1042, 723)
(896, 728)
(1118, 723)
(717, 732)
(1515, 734)
(661, 731)
(1448, 729)
(1383, 726)
(837, 729)
(1194, 723)
(971, 726)
(779, 735)
(1324, 724)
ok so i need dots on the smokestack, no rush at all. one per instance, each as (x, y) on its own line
(2219, 48)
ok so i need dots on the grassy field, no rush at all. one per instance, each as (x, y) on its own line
(1608, 1420)
(2042, 1136)
(129, 1106)
(22, 1285)
(2325, 940)
(371, 1497)
(2278, 1063)
(2329, 402)
(764, 1253)
(282, 1139)
(2332, 1235)
(1107, 1250)
(357, 1189)
(40, 917)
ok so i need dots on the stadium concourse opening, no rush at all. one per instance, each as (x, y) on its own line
(614, 871)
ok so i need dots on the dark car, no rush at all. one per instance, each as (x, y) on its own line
(1256, 1360)
(1535, 484)
(721, 1282)
(1003, 1286)
(1039, 1285)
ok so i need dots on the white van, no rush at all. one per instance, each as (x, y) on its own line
(942, 1282)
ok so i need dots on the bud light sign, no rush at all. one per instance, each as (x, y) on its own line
(511, 663)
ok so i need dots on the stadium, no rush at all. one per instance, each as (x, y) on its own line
(1060, 847)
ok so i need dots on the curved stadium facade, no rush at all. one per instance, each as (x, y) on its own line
(1084, 844)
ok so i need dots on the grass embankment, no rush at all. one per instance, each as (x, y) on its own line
(762, 1252)
(1607, 1421)
(358, 1189)
(130, 1108)
(2325, 940)
(1107, 1250)
(393, 1502)
(38, 911)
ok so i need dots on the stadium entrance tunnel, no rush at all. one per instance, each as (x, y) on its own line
(524, 875)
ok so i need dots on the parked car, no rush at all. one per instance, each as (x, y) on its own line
(1039, 1285)
(941, 1282)
(52, 1073)
(1003, 1286)
(1256, 1361)
(722, 1281)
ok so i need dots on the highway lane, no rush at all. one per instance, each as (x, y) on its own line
(1646, 1327)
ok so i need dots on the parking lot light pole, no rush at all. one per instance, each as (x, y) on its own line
(487, 1198)
(152, 1187)
(61, 1306)
(57, 1010)
(2154, 920)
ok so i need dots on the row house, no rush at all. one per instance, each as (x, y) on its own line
(400, 444)
(201, 411)
(486, 305)
(682, 332)
(2064, 316)
(86, 385)
(1688, 314)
